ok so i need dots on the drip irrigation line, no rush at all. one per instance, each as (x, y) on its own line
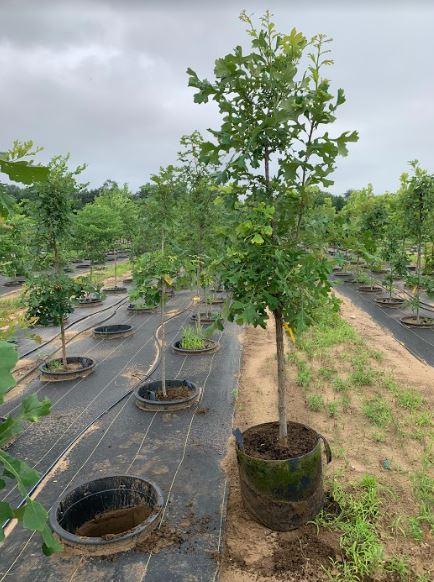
(151, 371)
(87, 316)
(117, 305)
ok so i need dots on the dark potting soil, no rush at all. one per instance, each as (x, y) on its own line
(174, 393)
(263, 442)
(114, 522)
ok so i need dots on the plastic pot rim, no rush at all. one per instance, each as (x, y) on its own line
(194, 393)
(298, 457)
(92, 541)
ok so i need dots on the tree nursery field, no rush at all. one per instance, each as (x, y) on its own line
(227, 375)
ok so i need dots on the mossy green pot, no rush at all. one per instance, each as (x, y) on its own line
(283, 494)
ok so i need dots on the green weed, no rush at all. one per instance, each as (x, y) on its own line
(409, 399)
(399, 566)
(192, 339)
(341, 385)
(332, 409)
(326, 373)
(378, 411)
(315, 402)
(359, 510)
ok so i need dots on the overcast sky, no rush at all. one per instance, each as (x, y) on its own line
(106, 79)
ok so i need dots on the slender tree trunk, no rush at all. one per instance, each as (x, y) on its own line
(116, 268)
(281, 379)
(419, 256)
(418, 268)
(56, 258)
(198, 299)
(62, 336)
(163, 340)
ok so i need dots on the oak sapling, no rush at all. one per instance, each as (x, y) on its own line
(275, 148)
(417, 199)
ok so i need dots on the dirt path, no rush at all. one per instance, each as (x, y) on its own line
(253, 552)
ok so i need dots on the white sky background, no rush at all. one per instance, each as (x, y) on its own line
(105, 80)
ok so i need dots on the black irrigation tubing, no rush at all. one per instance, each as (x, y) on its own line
(87, 316)
(151, 371)
(117, 305)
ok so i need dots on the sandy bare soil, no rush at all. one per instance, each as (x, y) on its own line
(252, 552)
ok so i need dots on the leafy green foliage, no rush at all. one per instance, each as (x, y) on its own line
(153, 270)
(49, 299)
(192, 339)
(30, 513)
(360, 542)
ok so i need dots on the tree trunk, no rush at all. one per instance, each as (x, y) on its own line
(116, 268)
(62, 336)
(163, 340)
(418, 268)
(281, 379)
(56, 258)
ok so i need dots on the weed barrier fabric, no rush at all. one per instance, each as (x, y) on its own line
(420, 342)
(76, 403)
(180, 452)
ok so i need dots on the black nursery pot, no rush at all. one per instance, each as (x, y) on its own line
(91, 302)
(82, 367)
(210, 346)
(390, 302)
(115, 290)
(423, 323)
(283, 494)
(113, 331)
(369, 289)
(205, 318)
(146, 396)
(15, 282)
(133, 309)
(122, 508)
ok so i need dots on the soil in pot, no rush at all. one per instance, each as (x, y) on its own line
(424, 322)
(110, 523)
(173, 393)
(263, 442)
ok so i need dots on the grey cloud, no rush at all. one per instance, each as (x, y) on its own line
(106, 79)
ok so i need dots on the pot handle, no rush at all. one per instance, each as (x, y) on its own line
(327, 449)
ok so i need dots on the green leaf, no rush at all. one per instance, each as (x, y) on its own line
(23, 172)
(25, 476)
(257, 239)
(33, 515)
(33, 408)
(51, 544)
(8, 359)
